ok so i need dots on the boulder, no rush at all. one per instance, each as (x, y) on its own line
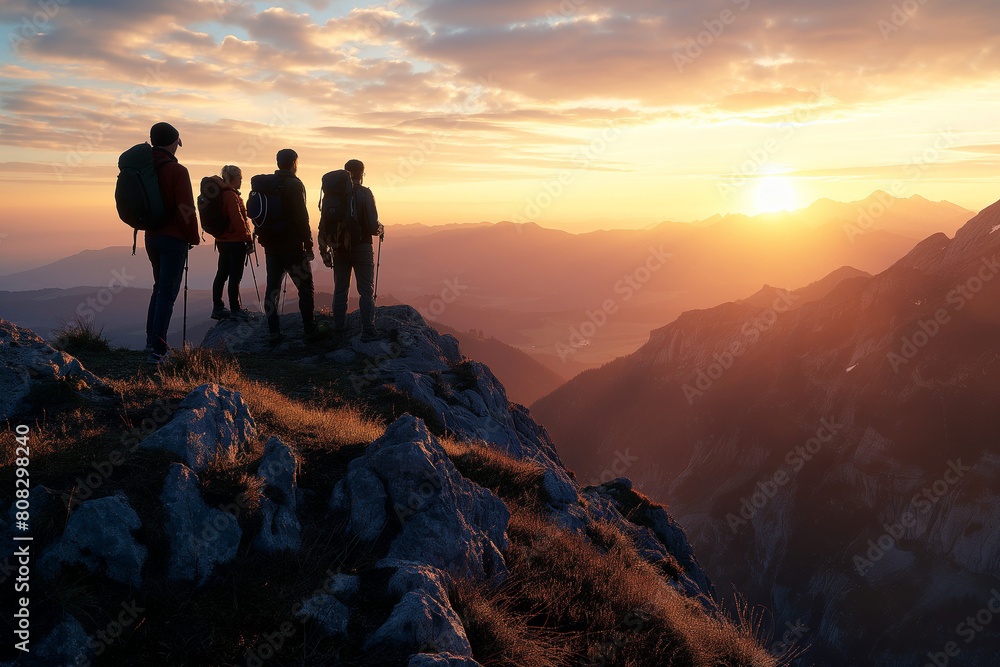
(28, 363)
(420, 623)
(280, 529)
(201, 538)
(66, 644)
(405, 483)
(212, 421)
(329, 614)
(98, 535)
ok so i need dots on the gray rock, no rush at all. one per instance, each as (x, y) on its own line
(212, 421)
(98, 535)
(416, 577)
(280, 528)
(66, 644)
(201, 538)
(421, 623)
(440, 518)
(329, 614)
(440, 660)
(27, 361)
(343, 586)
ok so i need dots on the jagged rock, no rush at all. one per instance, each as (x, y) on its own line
(99, 536)
(27, 362)
(212, 421)
(280, 529)
(329, 614)
(343, 586)
(443, 519)
(411, 576)
(201, 538)
(421, 623)
(66, 644)
(440, 660)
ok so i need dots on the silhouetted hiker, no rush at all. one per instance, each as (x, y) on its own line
(360, 258)
(287, 240)
(168, 246)
(233, 245)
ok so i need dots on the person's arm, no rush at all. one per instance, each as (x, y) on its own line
(371, 213)
(301, 216)
(184, 196)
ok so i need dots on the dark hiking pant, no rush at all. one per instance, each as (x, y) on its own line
(297, 267)
(361, 260)
(232, 259)
(167, 255)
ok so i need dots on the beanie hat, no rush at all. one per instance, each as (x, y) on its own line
(163, 134)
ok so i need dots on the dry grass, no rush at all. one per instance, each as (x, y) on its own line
(514, 480)
(604, 606)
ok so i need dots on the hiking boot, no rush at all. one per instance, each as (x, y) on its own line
(368, 335)
(316, 333)
(155, 358)
(240, 314)
(219, 313)
(275, 337)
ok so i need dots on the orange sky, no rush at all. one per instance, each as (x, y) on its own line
(577, 114)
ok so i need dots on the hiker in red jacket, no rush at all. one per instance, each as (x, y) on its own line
(233, 245)
(168, 246)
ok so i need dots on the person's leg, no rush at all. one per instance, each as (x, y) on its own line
(275, 272)
(173, 253)
(364, 273)
(237, 260)
(221, 275)
(341, 286)
(152, 251)
(301, 274)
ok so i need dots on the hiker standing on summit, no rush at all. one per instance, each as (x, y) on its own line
(360, 258)
(167, 247)
(288, 244)
(234, 244)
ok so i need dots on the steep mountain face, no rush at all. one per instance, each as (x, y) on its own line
(834, 458)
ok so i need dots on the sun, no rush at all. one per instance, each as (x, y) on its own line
(775, 193)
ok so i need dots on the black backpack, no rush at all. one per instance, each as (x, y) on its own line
(339, 225)
(137, 192)
(264, 202)
(210, 208)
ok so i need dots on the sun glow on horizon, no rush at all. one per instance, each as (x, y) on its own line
(775, 193)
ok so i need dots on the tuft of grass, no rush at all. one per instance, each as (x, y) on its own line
(514, 480)
(79, 336)
(499, 635)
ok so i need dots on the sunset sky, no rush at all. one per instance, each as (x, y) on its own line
(577, 114)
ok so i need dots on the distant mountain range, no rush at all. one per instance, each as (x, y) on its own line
(574, 301)
(832, 451)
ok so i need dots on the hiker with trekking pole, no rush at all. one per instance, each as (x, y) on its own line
(348, 223)
(277, 206)
(224, 216)
(154, 194)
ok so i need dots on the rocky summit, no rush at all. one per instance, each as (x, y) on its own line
(296, 549)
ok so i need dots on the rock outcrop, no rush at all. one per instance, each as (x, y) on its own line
(32, 370)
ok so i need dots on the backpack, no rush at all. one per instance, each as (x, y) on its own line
(137, 192)
(338, 222)
(264, 202)
(210, 209)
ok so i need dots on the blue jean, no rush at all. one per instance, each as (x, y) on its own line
(362, 262)
(167, 255)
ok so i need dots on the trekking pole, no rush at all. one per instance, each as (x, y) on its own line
(377, 262)
(284, 296)
(184, 334)
(255, 288)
